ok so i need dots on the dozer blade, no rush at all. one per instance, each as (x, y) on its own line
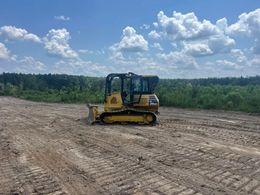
(93, 115)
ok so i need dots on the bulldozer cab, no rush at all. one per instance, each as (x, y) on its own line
(128, 88)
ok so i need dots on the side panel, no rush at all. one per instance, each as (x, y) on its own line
(149, 102)
(113, 102)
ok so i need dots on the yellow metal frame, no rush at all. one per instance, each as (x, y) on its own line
(114, 103)
(145, 119)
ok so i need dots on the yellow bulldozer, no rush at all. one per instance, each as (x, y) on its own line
(129, 98)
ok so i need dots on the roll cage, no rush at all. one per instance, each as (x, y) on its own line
(138, 85)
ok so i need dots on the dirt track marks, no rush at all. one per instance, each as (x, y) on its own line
(49, 149)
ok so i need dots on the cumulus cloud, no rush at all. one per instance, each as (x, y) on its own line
(155, 24)
(182, 42)
(255, 62)
(222, 24)
(131, 41)
(179, 60)
(248, 24)
(31, 63)
(138, 64)
(198, 38)
(25, 64)
(235, 64)
(185, 26)
(13, 33)
(145, 26)
(212, 45)
(4, 52)
(57, 44)
(154, 35)
(221, 44)
(157, 46)
(79, 67)
(227, 65)
(131, 44)
(239, 56)
(197, 49)
(62, 18)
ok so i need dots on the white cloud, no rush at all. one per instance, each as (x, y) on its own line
(79, 67)
(222, 24)
(198, 38)
(157, 46)
(213, 45)
(57, 44)
(138, 64)
(131, 44)
(13, 33)
(85, 51)
(145, 26)
(197, 49)
(179, 60)
(26, 64)
(131, 41)
(249, 25)
(181, 43)
(255, 62)
(210, 46)
(239, 56)
(154, 35)
(4, 52)
(116, 56)
(186, 26)
(221, 44)
(236, 64)
(155, 24)
(29, 64)
(62, 18)
(226, 64)
(30, 61)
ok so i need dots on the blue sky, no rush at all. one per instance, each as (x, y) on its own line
(174, 39)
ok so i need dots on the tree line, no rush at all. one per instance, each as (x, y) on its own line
(242, 93)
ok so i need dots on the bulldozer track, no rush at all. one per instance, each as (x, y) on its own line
(223, 132)
(17, 172)
(50, 149)
(187, 157)
(199, 165)
(121, 173)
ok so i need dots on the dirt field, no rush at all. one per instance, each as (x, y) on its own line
(49, 149)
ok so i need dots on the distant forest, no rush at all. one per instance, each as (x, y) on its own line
(241, 93)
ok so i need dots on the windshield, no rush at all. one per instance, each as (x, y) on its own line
(144, 85)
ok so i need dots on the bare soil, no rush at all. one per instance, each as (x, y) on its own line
(50, 149)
